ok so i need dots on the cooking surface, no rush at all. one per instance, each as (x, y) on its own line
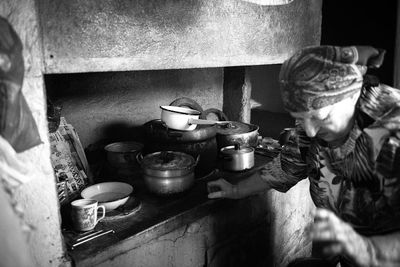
(157, 215)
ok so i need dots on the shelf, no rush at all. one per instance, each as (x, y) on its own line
(98, 36)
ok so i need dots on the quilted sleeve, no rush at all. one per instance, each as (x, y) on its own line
(287, 169)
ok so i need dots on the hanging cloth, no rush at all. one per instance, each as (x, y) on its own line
(17, 125)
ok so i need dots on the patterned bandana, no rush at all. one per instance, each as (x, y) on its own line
(319, 76)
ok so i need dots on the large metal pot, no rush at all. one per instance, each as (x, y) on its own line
(199, 142)
(241, 133)
(234, 132)
(168, 172)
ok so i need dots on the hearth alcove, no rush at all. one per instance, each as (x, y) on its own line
(114, 63)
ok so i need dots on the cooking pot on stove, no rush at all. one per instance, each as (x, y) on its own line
(168, 172)
(199, 142)
(234, 132)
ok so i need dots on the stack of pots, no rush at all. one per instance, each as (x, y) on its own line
(236, 142)
(175, 131)
(200, 142)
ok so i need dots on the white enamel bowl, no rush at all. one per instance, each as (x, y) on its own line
(109, 194)
(177, 118)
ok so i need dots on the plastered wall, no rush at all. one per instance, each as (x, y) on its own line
(152, 34)
(114, 105)
(265, 88)
(37, 198)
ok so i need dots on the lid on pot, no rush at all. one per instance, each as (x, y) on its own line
(168, 160)
(236, 149)
(236, 127)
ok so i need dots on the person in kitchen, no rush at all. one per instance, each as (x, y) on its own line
(346, 141)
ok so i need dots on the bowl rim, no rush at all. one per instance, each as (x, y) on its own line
(105, 183)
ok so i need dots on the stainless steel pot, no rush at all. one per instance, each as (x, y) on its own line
(199, 142)
(168, 172)
(241, 133)
(237, 158)
(233, 132)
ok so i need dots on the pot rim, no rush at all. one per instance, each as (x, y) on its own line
(253, 129)
(124, 147)
(232, 150)
(181, 110)
(161, 171)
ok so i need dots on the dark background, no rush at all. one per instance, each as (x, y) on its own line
(356, 22)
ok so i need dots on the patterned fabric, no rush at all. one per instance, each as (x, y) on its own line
(318, 76)
(360, 179)
(17, 124)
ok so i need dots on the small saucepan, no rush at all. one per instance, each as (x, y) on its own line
(237, 158)
(184, 119)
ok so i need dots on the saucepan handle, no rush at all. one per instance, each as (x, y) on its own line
(205, 122)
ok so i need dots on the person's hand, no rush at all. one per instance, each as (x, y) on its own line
(222, 189)
(335, 237)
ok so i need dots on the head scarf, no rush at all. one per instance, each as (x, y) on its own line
(319, 76)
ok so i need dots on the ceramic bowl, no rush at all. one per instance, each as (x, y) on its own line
(110, 194)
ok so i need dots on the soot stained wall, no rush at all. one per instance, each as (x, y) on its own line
(114, 105)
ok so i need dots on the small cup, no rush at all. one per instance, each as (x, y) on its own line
(84, 214)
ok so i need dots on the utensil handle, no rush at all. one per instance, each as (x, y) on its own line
(205, 122)
(91, 238)
(89, 235)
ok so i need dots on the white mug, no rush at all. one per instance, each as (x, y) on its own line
(84, 214)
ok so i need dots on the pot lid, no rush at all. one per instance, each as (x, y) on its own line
(236, 127)
(236, 149)
(168, 160)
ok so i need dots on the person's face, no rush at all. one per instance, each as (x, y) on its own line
(329, 123)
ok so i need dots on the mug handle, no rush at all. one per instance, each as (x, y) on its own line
(104, 212)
